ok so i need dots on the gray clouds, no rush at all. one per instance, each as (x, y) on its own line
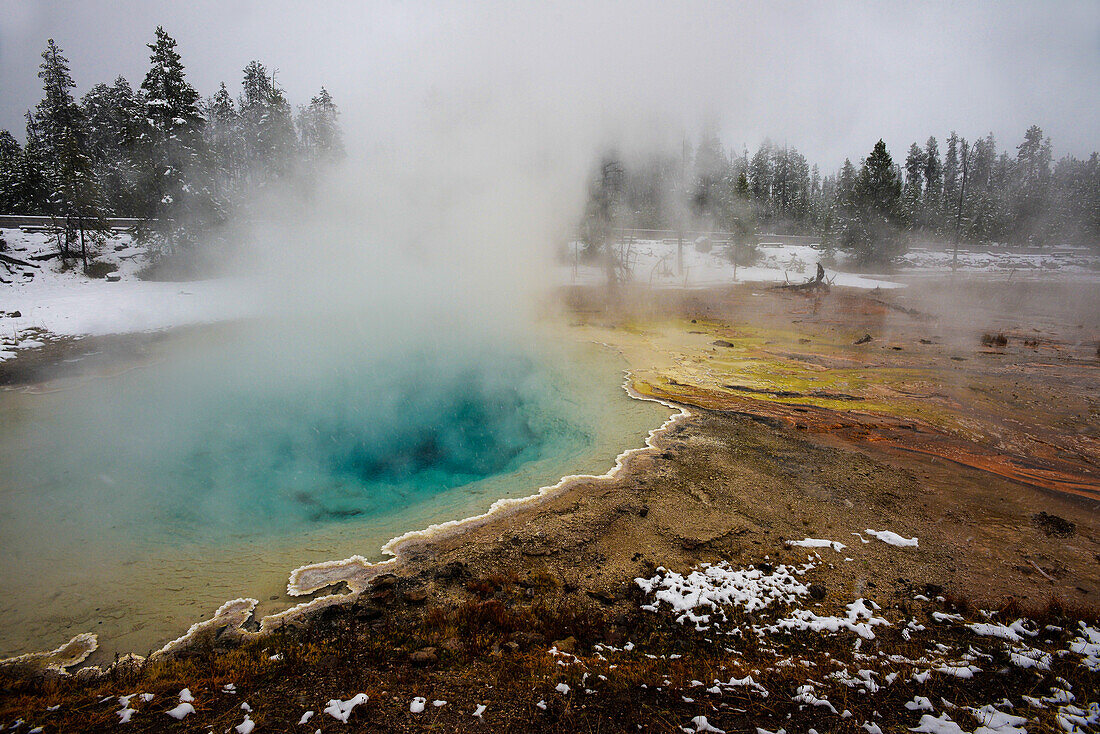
(830, 79)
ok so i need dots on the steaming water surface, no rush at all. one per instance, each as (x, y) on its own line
(134, 505)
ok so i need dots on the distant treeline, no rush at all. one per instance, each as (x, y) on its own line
(874, 208)
(160, 152)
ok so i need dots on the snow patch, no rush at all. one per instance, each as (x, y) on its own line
(341, 710)
(182, 710)
(713, 586)
(1014, 632)
(998, 722)
(702, 725)
(805, 694)
(938, 725)
(860, 619)
(817, 543)
(1088, 646)
(892, 538)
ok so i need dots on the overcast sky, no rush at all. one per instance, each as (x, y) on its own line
(828, 80)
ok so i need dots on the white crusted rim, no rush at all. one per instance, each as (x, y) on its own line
(233, 614)
(73, 652)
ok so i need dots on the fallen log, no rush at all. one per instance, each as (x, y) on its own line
(815, 283)
(900, 309)
(16, 261)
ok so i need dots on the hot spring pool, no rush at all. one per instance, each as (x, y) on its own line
(134, 505)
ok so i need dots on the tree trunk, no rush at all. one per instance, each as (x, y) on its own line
(609, 264)
(959, 213)
(83, 248)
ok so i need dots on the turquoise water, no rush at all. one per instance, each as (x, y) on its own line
(133, 505)
(201, 448)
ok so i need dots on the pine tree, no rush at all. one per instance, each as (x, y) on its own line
(647, 190)
(965, 162)
(914, 169)
(11, 169)
(224, 143)
(321, 137)
(277, 138)
(980, 208)
(116, 124)
(74, 195)
(179, 201)
(846, 183)
(844, 208)
(602, 212)
(150, 153)
(816, 203)
(951, 177)
(1031, 187)
(760, 173)
(878, 184)
(790, 182)
(708, 200)
(1033, 156)
(914, 185)
(256, 90)
(931, 206)
(171, 103)
(741, 188)
(1085, 200)
(740, 221)
(35, 188)
(985, 156)
(1075, 200)
(873, 234)
(267, 125)
(829, 217)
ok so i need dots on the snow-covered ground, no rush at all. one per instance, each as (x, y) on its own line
(47, 300)
(1067, 260)
(656, 262)
(51, 301)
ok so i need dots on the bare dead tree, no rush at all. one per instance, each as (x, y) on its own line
(965, 152)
